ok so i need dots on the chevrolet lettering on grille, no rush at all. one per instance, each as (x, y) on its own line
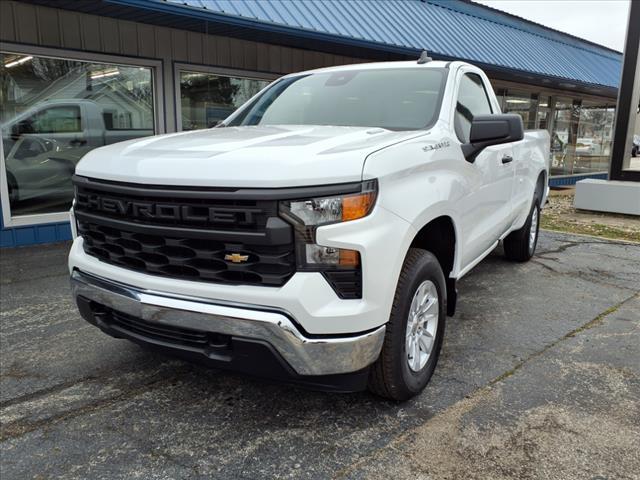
(166, 211)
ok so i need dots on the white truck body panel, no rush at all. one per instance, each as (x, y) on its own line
(268, 157)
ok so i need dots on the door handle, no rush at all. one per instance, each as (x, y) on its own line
(507, 159)
(77, 142)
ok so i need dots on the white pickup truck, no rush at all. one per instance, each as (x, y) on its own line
(316, 236)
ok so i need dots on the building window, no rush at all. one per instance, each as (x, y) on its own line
(581, 136)
(563, 135)
(593, 139)
(524, 104)
(542, 115)
(53, 111)
(207, 98)
(581, 129)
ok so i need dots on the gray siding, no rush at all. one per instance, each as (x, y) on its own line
(57, 28)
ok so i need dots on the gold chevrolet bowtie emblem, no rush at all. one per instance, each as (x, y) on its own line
(236, 257)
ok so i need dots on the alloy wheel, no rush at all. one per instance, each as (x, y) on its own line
(422, 325)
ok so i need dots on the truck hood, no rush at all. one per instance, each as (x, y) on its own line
(270, 156)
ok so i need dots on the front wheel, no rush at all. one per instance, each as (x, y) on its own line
(520, 245)
(415, 330)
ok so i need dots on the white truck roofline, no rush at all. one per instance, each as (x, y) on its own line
(374, 66)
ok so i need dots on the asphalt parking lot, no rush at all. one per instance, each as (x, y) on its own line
(539, 378)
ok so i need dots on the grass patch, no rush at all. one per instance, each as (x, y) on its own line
(597, 230)
(560, 215)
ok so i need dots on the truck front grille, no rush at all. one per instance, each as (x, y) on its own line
(192, 234)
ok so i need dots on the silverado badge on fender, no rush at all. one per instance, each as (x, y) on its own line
(236, 257)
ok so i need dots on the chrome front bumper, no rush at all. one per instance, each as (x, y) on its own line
(306, 356)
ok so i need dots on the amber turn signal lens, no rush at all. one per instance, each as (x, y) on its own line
(350, 258)
(357, 206)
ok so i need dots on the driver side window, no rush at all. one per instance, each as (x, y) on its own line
(472, 100)
(62, 119)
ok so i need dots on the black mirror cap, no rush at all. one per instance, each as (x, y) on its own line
(495, 129)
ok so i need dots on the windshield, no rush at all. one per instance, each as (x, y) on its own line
(396, 99)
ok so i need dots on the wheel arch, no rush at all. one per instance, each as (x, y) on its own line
(540, 189)
(439, 236)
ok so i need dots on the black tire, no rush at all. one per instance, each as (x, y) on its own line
(390, 376)
(517, 245)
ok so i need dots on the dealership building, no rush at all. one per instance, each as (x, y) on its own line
(75, 75)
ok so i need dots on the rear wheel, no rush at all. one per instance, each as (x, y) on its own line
(415, 330)
(520, 245)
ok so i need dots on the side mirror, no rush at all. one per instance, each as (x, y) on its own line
(487, 130)
(15, 132)
(20, 128)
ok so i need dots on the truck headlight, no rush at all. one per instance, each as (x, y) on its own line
(323, 211)
(315, 212)
(309, 214)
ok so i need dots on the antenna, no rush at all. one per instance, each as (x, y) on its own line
(424, 58)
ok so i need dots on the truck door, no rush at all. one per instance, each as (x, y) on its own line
(486, 207)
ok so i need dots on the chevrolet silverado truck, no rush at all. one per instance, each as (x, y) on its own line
(317, 234)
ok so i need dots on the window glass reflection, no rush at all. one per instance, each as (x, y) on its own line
(53, 111)
(207, 99)
(563, 135)
(472, 101)
(580, 129)
(542, 115)
(594, 135)
(524, 104)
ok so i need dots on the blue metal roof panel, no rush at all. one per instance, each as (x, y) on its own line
(452, 28)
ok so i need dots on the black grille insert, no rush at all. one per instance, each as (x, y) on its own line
(346, 283)
(175, 237)
(163, 334)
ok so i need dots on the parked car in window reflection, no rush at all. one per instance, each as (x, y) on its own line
(43, 144)
(588, 146)
(45, 175)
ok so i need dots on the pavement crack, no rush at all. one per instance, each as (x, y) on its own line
(589, 239)
(564, 247)
(568, 245)
(590, 324)
(46, 391)
(21, 427)
(579, 276)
